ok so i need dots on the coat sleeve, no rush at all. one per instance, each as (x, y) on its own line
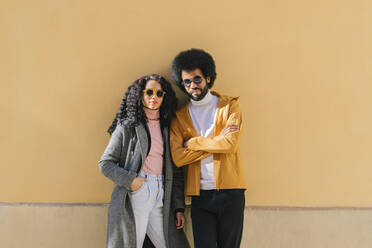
(111, 157)
(227, 143)
(180, 154)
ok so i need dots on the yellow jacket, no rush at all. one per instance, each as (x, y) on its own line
(228, 171)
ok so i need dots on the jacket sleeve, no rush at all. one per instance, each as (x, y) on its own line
(227, 143)
(111, 157)
(181, 155)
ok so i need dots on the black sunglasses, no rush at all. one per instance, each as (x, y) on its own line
(151, 92)
(196, 79)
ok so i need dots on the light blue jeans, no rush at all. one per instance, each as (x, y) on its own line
(147, 203)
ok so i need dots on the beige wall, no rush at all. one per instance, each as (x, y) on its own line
(302, 69)
(83, 226)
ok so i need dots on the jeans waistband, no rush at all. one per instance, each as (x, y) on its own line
(151, 177)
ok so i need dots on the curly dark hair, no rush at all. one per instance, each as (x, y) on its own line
(131, 109)
(190, 60)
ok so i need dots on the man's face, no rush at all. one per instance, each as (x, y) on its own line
(194, 90)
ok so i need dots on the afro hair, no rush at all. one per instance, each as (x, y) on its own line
(190, 60)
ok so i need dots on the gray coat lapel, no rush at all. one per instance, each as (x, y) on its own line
(143, 140)
(167, 164)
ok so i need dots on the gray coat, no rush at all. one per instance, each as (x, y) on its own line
(121, 161)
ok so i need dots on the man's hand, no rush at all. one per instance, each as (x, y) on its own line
(137, 183)
(180, 220)
(229, 129)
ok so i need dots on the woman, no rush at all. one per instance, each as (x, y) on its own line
(148, 196)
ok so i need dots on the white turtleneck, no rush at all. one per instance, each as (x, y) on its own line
(203, 116)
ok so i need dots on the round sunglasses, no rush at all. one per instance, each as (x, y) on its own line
(196, 80)
(151, 92)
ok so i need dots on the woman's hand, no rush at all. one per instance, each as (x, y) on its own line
(137, 183)
(180, 220)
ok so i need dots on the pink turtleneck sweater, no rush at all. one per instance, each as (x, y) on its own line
(154, 161)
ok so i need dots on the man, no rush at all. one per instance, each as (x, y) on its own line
(205, 137)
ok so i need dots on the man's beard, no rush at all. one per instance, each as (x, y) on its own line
(203, 93)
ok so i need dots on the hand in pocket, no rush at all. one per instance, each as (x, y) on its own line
(137, 183)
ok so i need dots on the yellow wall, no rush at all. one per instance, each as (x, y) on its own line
(302, 69)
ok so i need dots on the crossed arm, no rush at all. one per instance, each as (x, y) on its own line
(197, 148)
(182, 155)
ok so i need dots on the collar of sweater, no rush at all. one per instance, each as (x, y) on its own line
(206, 100)
(152, 114)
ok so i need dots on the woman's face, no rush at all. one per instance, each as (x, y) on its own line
(151, 95)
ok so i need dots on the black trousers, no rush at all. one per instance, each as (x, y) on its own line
(147, 243)
(217, 218)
